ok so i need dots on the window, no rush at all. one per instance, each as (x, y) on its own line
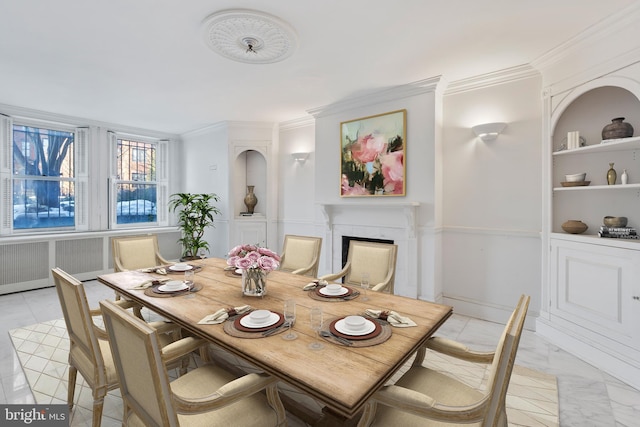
(134, 189)
(43, 180)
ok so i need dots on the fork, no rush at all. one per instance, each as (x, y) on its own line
(328, 334)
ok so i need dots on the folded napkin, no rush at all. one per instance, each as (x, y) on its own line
(158, 269)
(392, 317)
(148, 283)
(223, 314)
(315, 284)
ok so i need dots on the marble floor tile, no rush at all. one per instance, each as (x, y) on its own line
(586, 395)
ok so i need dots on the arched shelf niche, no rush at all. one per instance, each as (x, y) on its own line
(250, 168)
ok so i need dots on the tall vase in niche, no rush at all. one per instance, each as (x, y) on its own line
(611, 175)
(250, 200)
(624, 178)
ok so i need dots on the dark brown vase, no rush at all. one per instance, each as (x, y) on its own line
(618, 128)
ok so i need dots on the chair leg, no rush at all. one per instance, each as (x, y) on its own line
(71, 386)
(98, 404)
(274, 401)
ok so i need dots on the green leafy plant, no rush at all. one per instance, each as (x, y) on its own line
(196, 213)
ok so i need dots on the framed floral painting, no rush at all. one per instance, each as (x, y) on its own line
(372, 153)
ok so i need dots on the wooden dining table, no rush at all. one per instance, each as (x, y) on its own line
(341, 377)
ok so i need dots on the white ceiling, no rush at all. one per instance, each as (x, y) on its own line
(143, 63)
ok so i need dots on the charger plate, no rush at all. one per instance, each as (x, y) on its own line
(195, 268)
(154, 292)
(235, 329)
(384, 335)
(316, 295)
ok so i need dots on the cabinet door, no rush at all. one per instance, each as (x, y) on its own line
(250, 232)
(593, 287)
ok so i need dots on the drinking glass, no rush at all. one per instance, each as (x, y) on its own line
(189, 280)
(289, 317)
(202, 254)
(364, 284)
(316, 325)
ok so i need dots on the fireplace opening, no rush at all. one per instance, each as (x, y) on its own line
(347, 239)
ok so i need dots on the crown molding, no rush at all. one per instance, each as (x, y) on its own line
(623, 18)
(494, 78)
(300, 122)
(385, 95)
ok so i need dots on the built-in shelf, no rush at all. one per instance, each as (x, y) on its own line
(605, 146)
(599, 187)
(594, 239)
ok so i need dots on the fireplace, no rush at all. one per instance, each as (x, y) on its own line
(347, 239)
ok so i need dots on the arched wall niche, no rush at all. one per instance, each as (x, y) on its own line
(250, 168)
(592, 106)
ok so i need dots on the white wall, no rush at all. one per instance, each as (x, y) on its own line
(492, 199)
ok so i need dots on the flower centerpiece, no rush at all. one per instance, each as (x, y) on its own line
(255, 262)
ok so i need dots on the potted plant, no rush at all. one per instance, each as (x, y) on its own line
(196, 214)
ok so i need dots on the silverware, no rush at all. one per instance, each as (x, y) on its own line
(274, 330)
(328, 334)
(352, 296)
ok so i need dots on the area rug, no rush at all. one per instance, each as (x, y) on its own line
(42, 349)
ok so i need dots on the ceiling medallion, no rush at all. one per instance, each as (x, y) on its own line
(249, 36)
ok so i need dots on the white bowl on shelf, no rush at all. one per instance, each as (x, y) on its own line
(576, 177)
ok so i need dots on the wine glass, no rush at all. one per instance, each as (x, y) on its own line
(364, 284)
(316, 325)
(189, 280)
(290, 317)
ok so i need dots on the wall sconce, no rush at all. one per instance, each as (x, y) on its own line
(300, 157)
(489, 131)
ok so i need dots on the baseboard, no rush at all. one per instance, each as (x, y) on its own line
(486, 311)
(601, 358)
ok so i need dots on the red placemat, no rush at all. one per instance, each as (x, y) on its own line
(375, 333)
(317, 291)
(239, 327)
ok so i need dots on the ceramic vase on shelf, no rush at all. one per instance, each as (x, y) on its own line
(618, 128)
(250, 200)
(574, 226)
(611, 175)
(254, 282)
(624, 178)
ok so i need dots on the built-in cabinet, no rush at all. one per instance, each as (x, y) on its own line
(592, 286)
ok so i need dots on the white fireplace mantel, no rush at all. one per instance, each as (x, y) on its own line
(409, 211)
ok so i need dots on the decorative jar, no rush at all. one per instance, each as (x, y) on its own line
(250, 200)
(574, 226)
(618, 128)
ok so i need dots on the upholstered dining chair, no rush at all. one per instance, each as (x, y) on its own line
(424, 397)
(301, 255)
(135, 252)
(89, 350)
(376, 259)
(206, 396)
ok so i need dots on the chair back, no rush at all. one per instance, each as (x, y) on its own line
(84, 351)
(132, 253)
(377, 259)
(502, 364)
(144, 383)
(301, 255)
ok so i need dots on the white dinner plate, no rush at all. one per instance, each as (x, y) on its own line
(247, 323)
(176, 268)
(368, 328)
(172, 286)
(324, 291)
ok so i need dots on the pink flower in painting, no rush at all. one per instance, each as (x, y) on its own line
(356, 190)
(393, 172)
(368, 147)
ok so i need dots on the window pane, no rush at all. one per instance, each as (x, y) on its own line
(43, 203)
(136, 203)
(42, 152)
(136, 161)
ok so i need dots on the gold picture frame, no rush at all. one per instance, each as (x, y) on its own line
(372, 155)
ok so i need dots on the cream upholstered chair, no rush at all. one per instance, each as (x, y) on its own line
(301, 255)
(206, 396)
(424, 397)
(135, 252)
(89, 351)
(377, 259)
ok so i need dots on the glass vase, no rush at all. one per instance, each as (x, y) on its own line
(254, 282)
